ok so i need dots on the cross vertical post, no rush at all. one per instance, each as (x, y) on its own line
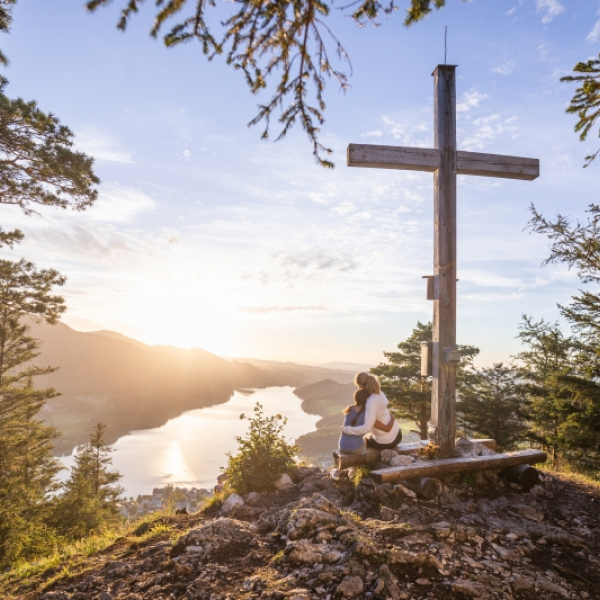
(443, 394)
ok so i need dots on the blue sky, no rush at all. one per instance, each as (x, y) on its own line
(205, 235)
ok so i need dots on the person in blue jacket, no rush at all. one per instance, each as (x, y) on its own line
(355, 416)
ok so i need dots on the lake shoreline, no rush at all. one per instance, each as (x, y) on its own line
(190, 450)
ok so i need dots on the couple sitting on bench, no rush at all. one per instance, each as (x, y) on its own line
(368, 415)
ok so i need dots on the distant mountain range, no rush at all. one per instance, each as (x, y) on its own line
(107, 377)
(298, 375)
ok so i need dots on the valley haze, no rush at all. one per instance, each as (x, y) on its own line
(127, 385)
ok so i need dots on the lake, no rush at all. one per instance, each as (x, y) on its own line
(189, 450)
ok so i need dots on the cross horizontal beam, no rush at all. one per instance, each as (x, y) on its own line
(428, 159)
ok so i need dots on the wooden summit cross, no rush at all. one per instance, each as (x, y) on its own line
(445, 162)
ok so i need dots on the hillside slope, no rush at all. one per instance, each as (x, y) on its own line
(482, 539)
(298, 375)
(127, 385)
(327, 399)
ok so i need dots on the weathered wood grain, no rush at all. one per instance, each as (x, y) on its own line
(423, 487)
(443, 388)
(405, 158)
(497, 165)
(524, 474)
(436, 468)
(345, 461)
(393, 157)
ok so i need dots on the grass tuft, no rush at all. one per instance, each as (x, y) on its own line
(69, 559)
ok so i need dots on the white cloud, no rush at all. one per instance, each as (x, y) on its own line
(594, 34)
(486, 129)
(505, 69)
(550, 8)
(416, 134)
(375, 133)
(118, 204)
(102, 146)
(345, 208)
(512, 11)
(261, 310)
(470, 99)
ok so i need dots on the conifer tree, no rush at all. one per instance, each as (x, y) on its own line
(91, 494)
(578, 246)
(495, 406)
(401, 381)
(564, 399)
(38, 165)
(27, 469)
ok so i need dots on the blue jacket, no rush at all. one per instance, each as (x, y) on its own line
(353, 442)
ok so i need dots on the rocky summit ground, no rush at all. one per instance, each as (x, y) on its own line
(480, 537)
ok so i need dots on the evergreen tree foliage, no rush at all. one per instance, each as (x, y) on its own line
(6, 7)
(89, 501)
(586, 100)
(263, 454)
(37, 164)
(565, 370)
(563, 394)
(27, 469)
(37, 167)
(495, 407)
(410, 394)
(578, 246)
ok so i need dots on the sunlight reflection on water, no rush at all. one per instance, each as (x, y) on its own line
(190, 449)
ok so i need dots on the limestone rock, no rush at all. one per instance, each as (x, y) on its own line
(305, 553)
(401, 460)
(232, 502)
(284, 483)
(253, 499)
(351, 587)
(469, 588)
(388, 455)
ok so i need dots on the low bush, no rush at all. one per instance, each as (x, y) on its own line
(263, 454)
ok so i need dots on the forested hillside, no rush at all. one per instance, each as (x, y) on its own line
(104, 377)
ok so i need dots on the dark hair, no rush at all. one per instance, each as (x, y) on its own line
(360, 399)
(361, 396)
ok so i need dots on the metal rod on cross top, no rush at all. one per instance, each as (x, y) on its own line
(445, 162)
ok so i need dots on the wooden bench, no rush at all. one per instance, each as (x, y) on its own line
(448, 466)
(345, 461)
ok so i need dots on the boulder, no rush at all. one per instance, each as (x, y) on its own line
(400, 460)
(232, 502)
(305, 553)
(253, 499)
(468, 588)
(351, 587)
(284, 483)
(388, 455)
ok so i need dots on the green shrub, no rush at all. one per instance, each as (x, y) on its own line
(263, 454)
(359, 474)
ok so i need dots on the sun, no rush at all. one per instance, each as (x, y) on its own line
(185, 316)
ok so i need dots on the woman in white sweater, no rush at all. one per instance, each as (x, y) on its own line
(376, 410)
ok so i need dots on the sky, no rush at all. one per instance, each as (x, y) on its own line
(205, 235)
